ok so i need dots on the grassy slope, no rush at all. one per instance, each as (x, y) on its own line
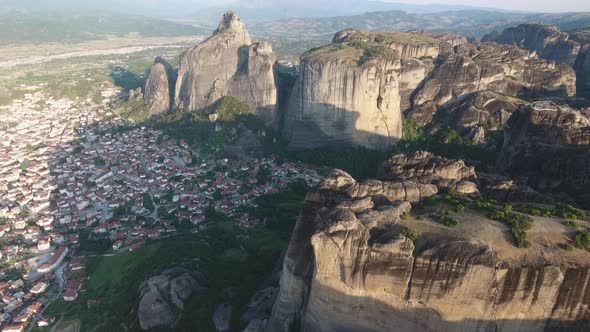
(225, 254)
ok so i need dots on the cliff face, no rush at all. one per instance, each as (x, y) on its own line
(546, 40)
(159, 87)
(350, 268)
(354, 90)
(338, 100)
(503, 69)
(228, 64)
(571, 48)
(548, 145)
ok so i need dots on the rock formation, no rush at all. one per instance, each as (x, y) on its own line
(338, 100)
(548, 145)
(484, 108)
(546, 40)
(352, 91)
(350, 268)
(571, 48)
(163, 297)
(503, 69)
(159, 87)
(228, 64)
(426, 168)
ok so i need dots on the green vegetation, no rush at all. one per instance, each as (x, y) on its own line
(98, 161)
(444, 217)
(372, 51)
(148, 203)
(571, 224)
(201, 133)
(226, 255)
(582, 240)
(410, 234)
(519, 225)
(360, 162)
(135, 110)
(561, 210)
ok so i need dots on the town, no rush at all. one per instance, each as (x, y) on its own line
(72, 167)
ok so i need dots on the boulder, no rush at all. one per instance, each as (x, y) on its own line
(162, 298)
(426, 168)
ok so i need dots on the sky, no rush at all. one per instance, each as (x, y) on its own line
(179, 5)
(524, 5)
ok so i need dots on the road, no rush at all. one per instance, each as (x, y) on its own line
(60, 277)
(117, 51)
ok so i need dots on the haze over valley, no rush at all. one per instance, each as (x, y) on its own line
(277, 166)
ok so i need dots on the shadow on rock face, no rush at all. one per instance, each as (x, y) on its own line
(331, 126)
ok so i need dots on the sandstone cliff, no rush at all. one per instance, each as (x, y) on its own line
(571, 48)
(503, 69)
(159, 87)
(546, 40)
(338, 100)
(349, 267)
(228, 64)
(549, 146)
(354, 90)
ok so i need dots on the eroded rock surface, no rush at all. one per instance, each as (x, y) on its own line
(159, 87)
(571, 48)
(353, 91)
(548, 145)
(349, 268)
(547, 40)
(163, 296)
(426, 168)
(228, 64)
(503, 69)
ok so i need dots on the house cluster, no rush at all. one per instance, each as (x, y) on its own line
(70, 166)
(21, 303)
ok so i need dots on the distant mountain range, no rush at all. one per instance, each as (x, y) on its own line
(470, 23)
(270, 10)
(250, 10)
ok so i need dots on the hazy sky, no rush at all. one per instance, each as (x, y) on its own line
(526, 5)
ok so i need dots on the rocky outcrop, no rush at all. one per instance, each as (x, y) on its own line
(485, 108)
(503, 69)
(571, 48)
(408, 45)
(350, 268)
(548, 145)
(353, 91)
(504, 189)
(228, 64)
(338, 100)
(163, 296)
(159, 87)
(346, 186)
(426, 168)
(546, 40)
